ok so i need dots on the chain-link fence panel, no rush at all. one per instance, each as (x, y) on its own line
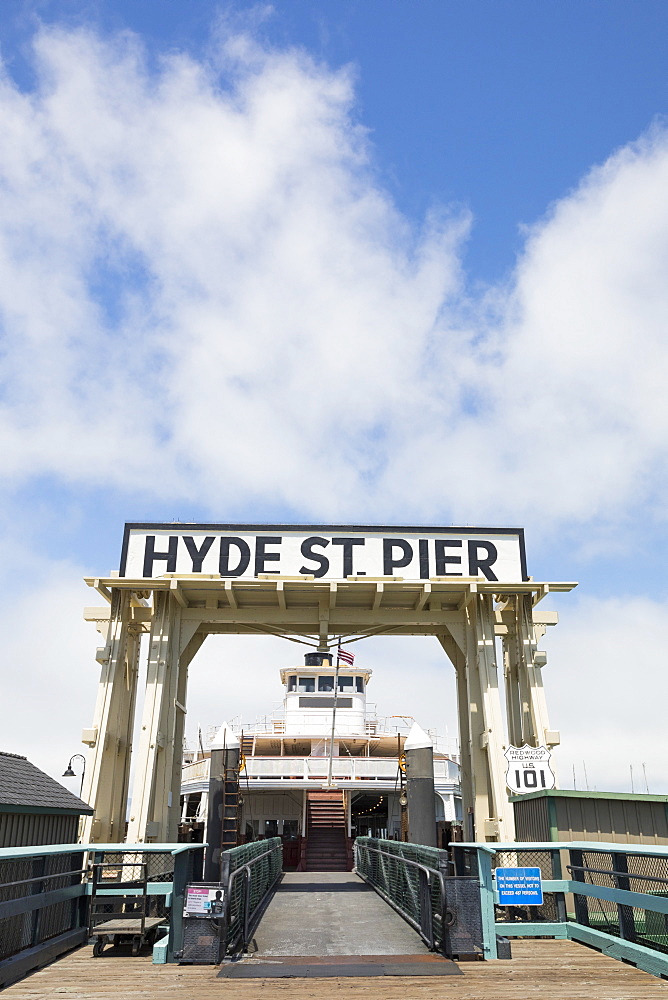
(646, 873)
(34, 876)
(159, 866)
(549, 911)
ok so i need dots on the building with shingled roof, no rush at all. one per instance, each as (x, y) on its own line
(35, 809)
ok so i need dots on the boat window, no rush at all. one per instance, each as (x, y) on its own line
(306, 684)
(290, 829)
(192, 803)
(292, 682)
(325, 683)
(359, 684)
(345, 683)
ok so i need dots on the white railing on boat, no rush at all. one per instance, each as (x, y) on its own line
(197, 771)
(309, 768)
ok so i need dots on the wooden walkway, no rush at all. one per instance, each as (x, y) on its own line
(539, 970)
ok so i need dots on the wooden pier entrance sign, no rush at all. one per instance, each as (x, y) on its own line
(178, 583)
(331, 553)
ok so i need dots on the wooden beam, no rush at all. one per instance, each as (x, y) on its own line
(97, 614)
(539, 617)
(230, 595)
(539, 594)
(468, 597)
(323, 625)
(175, 591)
(102, 589)
(423, 598)
(280, 594)
(444, 585)
(311, 615)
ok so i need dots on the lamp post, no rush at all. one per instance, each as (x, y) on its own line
(69, 773)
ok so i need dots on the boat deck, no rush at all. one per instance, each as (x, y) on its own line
(539, 969)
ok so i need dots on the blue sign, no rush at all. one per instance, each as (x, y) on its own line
(519, 886)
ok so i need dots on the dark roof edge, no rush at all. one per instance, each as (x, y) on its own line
(565, 793)
(9, 807)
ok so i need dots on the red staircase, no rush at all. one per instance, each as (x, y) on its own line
(326, 845)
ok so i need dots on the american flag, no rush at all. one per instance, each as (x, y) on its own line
(344, 655)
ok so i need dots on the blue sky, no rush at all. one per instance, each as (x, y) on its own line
(418, 249)
(500, 105)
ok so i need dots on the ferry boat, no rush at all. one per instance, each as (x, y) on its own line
(322, 770)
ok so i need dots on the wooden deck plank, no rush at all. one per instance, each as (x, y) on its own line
(123, 925)
(539, 970)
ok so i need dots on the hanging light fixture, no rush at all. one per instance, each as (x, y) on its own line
(69, 773)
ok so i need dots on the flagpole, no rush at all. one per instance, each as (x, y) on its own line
(336, 696)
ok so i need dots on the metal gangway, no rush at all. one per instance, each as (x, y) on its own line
(417, 882)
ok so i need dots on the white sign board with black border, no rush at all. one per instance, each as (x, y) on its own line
(329, 552)
(529, 769)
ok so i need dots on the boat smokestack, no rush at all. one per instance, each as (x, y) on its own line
(221, 818)
(318, 659)
(419, 750)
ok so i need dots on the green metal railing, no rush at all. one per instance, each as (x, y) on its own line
(410, 878)
(45, 891)
(249, 873)
(611, 896)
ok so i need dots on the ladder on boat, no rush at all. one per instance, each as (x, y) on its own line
(231, 810)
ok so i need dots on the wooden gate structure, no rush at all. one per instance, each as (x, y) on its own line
(180, 583)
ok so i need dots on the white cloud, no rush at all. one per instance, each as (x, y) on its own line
(206, 294)
(271, 306)
(49, 673)
(607, 686)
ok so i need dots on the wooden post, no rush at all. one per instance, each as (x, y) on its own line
(188, 647)
(108, 761)
(526, 706)
(487, 904)
(493, 814)
(152, 796)
(458, 659)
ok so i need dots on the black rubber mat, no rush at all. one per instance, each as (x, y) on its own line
(343, 966)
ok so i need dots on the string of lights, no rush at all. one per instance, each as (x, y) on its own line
(378, 804)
